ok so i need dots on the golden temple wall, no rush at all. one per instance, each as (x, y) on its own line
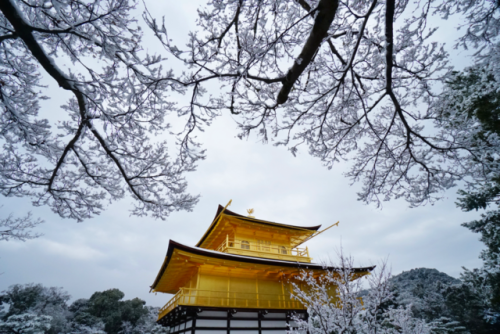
(256, 237)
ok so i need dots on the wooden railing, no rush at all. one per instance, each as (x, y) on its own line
(172, 303)
(195, 297)
(276, 251)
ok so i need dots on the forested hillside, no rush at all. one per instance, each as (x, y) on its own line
(455, 306)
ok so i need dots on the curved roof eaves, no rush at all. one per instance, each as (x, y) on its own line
(241, 258)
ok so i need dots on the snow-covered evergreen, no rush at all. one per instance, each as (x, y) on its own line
(26, 323)
(35, 309)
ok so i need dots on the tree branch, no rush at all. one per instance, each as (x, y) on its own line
(325, 13)
(9, 36)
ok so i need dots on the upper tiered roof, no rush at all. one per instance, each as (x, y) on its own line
(225, 221)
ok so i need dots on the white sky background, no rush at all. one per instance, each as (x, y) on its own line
(115, 250)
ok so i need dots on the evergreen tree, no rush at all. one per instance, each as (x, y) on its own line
(108, 308)
(473, 98)
(36, 302)
(26, 323)
(470, 303)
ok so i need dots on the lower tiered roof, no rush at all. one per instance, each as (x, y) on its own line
(182, 261)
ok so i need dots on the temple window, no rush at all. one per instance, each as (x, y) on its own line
(282, 250)
(264, 245)
(245, 244)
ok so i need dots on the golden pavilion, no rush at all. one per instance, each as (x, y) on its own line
(237, 278)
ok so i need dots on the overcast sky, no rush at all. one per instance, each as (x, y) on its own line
(115, 250)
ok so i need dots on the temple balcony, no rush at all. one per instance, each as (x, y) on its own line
(209, 298)
(250, 248)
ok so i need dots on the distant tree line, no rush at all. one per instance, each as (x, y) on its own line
(35, 309)
(418, 301)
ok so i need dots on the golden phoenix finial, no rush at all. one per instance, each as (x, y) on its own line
(250, 211)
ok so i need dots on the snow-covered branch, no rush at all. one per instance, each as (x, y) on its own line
(103, 147)
(351, 80)
(18, 228)
(337, 303)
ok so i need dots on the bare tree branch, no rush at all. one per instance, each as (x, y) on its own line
(115, 108)
(19, 228)
(325, 12)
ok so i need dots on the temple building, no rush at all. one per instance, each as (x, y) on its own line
(237, 279)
